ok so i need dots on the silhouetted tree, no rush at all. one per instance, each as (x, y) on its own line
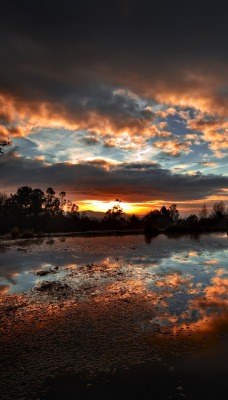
(115, 212)
(218, 210)
(164, 211)
(134, 222)
(23, 197)
(203, 212)
(32, 210)
(74, 209)
(219, 216)
(37, 200)
(174, 213)
(28, 200)
(62, 196)
(113, 218)
(3, 199)
(192, 219)
(52, 203)
(160, 219)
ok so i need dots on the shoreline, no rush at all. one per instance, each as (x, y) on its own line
(76, 234)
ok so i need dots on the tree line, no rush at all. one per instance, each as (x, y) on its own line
(31, 211)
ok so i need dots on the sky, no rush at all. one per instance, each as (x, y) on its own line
(116, 99)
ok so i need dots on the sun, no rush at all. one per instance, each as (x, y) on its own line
(103, 206)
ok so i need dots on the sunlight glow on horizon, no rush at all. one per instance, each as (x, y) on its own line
(184, 207)
(128, 208)
(103, 206)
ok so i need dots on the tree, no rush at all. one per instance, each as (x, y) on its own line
(158, 219)
(50, 194)
(192, 219)
(203, 212)
(62, 196)
(52, 203)
(165, 212)
(113, 218)
(28, 199)
(152, 219)
(115, 212)
(174, 213)
(3, 199)
(218, 210)
(23, 197)
(37, 200)
(74, 209)
(134, 222)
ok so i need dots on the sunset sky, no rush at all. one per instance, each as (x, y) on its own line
(116, 99)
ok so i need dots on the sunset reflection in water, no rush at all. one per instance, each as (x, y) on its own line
(186, 281)
(93, 302)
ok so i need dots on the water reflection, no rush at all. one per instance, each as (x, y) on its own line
(94, 303)
(183, 285)
(4, 289)
(149, 237)
(186, 280)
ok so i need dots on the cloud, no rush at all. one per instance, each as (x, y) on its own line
(173, 147)
(101, 111)
(208, 163)
(125, 142)
(70, 68)
(62, 65)
(215, 132)
(103, 179)
(166, 112)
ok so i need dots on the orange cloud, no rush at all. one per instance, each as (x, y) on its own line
(173, 147)
(208, 163)
(165, 113)
(198, 89)
(21, 118)
(215, 132)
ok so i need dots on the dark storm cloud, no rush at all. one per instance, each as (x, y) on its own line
(99, 179)
(66, 52)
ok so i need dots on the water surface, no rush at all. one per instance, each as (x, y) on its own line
(107, 304)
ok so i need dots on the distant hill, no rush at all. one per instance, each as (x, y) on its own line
(98, 214)
(95, 214)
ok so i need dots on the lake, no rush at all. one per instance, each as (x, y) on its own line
(114, 317)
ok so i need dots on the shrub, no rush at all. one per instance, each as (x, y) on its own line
(15, 232)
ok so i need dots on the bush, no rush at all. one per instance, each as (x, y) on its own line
(26, 234)
(15, 232)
